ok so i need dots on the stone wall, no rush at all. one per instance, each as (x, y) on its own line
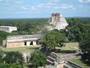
(14, 44)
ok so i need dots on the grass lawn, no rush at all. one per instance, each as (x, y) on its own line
(21, 49)
(69, 48)
(79, 62)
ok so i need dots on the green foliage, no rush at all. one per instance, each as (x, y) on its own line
(3, 65)
(1, 56)
(76, 29)
(25, 26)
(38, 59)
(85, 48)
(79, 30)
(13, 57)
(52, 39)
(10, 66)
(3, 35)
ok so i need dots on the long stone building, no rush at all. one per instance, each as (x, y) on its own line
(8, 28)
(21, 40)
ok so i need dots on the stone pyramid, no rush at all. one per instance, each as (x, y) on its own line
(57, 21)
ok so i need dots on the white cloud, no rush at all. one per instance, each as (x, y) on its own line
(12, 1)
(54, 1)
(53, 6)
(84, 1)
(45, 5)
(65, 6)
(84, 7)
(7, 0)
(26, 8)
(33, 8)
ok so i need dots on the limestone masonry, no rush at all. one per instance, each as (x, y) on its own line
(57, 21)
(8, 28)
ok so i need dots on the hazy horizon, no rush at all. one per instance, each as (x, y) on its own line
(40, 18)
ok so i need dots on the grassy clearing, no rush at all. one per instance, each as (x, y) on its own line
(21, 49)
(69, 48)
(79, 62)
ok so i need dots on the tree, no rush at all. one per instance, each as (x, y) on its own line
(52, 39)
(1, 56)
(13, 57)
(38, 59)
(3, 35)
(85, 48)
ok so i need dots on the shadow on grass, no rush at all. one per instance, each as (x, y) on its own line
(64, 51)
(58, 51)
(36, 48)
(85, 62)
(67, 51)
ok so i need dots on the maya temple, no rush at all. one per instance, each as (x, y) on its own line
(57, 21)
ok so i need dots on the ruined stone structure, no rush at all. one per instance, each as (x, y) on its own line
(8, 28)
(57, 21)
(21, 40)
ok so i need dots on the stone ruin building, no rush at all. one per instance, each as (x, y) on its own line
(21, 40)
(8, 29)
(57, 21)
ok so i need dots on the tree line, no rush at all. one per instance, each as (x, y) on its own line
(24, 26)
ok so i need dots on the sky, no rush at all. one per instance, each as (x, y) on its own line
(43, 8)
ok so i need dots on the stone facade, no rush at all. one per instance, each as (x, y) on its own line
(14, 44)
(57, 21)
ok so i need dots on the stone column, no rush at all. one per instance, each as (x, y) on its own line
(28, 43)
(34, 43)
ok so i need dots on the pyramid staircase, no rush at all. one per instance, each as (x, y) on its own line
(51, 59)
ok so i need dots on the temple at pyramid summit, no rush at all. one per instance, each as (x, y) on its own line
(57, 21)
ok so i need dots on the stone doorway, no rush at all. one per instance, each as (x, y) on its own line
(31, 43)
(25, 43)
